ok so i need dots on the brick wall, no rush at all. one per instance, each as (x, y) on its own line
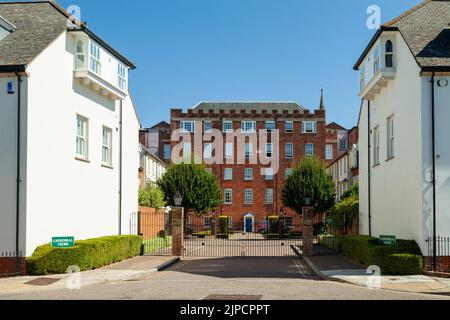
(152, 221)
(238, 184)
(8, 266)
(443, 264)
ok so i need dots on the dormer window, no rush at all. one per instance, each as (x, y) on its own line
(389, 54)
(79, 55)
(122, 76)
(376, 59)
(95, 64)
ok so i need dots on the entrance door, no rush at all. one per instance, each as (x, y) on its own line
(249, 225)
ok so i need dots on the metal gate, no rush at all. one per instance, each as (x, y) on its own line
(154, 227)
(246, 238)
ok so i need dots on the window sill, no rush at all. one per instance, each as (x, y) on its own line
(107, 166)
(376, 165)
(82, 160)
(390, 158)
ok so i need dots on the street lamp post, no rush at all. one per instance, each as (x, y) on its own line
(178, 199)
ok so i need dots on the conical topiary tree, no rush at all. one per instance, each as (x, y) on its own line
(309, 179)
(199, 189)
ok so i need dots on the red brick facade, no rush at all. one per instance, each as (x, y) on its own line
(8, 266)
(238, 209)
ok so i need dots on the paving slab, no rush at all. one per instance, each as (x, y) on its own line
(128, 270)
(343, 269)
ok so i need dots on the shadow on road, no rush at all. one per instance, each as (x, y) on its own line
(251, 267)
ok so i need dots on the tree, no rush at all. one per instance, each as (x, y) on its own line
(151, 197)
(309, 179)
(344, 213)
(199, 189)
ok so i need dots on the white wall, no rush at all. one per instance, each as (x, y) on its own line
(442, 130)
(8, 163)
(130, 164)
(67, 197)
(396, 184)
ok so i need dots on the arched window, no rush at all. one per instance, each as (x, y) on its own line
(389, 54)
(79, 55)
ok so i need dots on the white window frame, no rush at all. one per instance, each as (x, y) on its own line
(376, 59)
(390, 137)
(207, 222)
(80, 55)
(227, 126)
(268, 174)
(291, 124)
(167, 152)
(207, 126)
(329, 152)
(82, 138)
(289, 150)
(270, 126)
(229, 150)
(228, 196)
(95, 64)
(268, 196)
(376, 146)
(122, 76)
(248, 150)
(269, 150)
(309, 127)
(187, 156)
(187, 126)
(309, 147)
(228, 174)
(248, 174)
(248, 196)
(207, 150)
(107, 146)
(248, 126)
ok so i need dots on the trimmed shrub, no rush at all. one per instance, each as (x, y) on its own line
(273, 230)
(224, 227)
(87, 255)
(404, 258)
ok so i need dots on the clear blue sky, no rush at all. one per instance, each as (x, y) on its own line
(187, 51)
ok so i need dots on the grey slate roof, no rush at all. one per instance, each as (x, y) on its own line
(426, 30)
(269, 106)
(38, 25)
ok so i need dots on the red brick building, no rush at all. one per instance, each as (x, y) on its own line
(248, 194)
(157, 140)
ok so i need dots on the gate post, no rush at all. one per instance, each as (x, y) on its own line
(308, 232)
(176, 222)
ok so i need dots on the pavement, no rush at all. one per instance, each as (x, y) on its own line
(260, 278)
(129, 270)
(343, 269)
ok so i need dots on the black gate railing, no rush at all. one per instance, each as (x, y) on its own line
(154, 227)
(438, 256)
(204, 237)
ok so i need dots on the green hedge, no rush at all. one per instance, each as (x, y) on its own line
(224, 228)
(404, 258)
(87, 254)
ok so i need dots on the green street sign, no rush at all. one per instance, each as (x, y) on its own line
(63, 242)
(388, 240)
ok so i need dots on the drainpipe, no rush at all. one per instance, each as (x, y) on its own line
(369, 163)
(120, 165)
(19, 181)
(433, 144)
